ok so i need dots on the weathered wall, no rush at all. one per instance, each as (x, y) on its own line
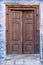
(2, 31)
(41, 29)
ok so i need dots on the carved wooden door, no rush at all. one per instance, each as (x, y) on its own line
(28, 31)
(15, 31)
(22, 34)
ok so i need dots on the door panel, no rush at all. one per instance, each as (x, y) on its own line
(16, 14)
(28, 15)
(15, 31)
(28, 32)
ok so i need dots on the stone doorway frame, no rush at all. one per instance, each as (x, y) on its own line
(26, 5)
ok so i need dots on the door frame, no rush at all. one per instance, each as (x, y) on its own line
(24, 6)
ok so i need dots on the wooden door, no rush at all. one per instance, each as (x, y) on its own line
(15, 34)
(28, 32)
(22, 29)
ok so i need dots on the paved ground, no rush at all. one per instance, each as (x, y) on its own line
(26, 59)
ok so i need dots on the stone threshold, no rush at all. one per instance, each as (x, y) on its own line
(21, 56)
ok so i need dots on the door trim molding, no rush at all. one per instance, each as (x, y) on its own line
(22, 3)
(25, 6)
